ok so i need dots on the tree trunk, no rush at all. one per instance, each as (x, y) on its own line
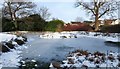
(96, 23)
(10, 11)
(15, 21)
(12, 15)
(16, 25)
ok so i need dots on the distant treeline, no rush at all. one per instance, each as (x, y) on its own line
(32, 23)
(36, 23)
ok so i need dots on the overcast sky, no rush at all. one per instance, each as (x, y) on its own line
(65, 11)
(62, 9)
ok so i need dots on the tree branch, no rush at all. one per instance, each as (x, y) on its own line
(104, 13)
(18, 7)
(101, 4)
(87, 7)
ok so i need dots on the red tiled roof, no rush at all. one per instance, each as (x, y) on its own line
(77, 27)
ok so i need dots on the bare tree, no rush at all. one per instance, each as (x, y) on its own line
(98, 8)
(16, 9)
(44, 13)
(0, 19)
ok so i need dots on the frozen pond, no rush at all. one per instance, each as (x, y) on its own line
(50, 49)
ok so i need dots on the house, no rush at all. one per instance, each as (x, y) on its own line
(106, 22)
(110, 22)
(117, 21)
(77, 26)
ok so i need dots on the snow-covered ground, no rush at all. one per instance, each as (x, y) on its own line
(107, 37)
(14, 55)
(6, 37)
(76, 34)
(12, 58)
(78, 59)
(57, 35)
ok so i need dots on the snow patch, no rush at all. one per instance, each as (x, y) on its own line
(6, 37)
(12, 58)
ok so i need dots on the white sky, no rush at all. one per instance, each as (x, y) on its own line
(65, 11)
(62, 9)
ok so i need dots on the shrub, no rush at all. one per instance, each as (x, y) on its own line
(31, 23)
(22, 26)
(7, 25)
(111, 28)
(38, 23)
(54, 25)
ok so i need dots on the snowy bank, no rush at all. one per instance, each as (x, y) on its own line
(77, 34)
(6, 37)
(11, 49)
(57, 35)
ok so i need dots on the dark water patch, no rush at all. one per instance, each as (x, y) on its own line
(64, 48)
(111, 43)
